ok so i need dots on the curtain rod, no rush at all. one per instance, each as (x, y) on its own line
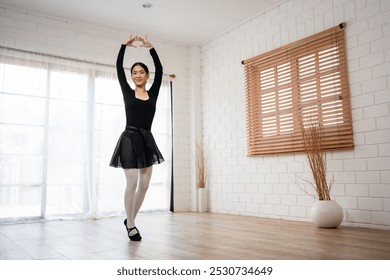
(70, 59)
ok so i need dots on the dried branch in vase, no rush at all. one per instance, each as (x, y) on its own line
(316, 155)
(200, 167)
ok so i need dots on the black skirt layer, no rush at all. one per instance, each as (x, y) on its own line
(136, 148)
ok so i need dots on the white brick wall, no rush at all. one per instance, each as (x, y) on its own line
(361, 175)
(24, 30)
(257, 186)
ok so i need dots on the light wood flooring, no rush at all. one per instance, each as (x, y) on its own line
(181, 236)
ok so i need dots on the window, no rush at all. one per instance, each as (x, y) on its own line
(58, 128)
(296, 85)
(22, 120)
(67, 142)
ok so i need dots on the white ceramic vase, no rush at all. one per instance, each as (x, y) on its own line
(327, 214)
(202, 200)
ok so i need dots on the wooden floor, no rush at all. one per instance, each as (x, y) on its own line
(182, 236)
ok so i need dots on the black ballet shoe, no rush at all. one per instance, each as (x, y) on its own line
(134, 237)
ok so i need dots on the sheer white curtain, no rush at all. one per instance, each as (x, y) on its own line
(110, 122)
(59, 123)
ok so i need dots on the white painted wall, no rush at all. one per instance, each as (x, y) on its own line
(266, 185)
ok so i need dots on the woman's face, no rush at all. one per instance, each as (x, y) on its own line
(139, 76)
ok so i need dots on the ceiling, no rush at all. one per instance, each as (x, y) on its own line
(191, 22)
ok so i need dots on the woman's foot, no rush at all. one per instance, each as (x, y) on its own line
(133, 232)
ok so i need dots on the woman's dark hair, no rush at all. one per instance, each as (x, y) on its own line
(142, 65)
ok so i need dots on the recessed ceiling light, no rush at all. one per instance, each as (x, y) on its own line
(147, 5)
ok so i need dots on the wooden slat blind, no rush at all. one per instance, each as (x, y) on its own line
(302, 82)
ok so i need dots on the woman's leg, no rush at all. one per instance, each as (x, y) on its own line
(130, 195)
(143, 184)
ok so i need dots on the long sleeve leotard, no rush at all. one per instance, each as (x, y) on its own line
(139, 113)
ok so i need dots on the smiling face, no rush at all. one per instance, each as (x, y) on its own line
(139, 76)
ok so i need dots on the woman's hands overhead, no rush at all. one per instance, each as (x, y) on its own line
(145, 42)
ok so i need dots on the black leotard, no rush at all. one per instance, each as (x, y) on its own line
(139, 113)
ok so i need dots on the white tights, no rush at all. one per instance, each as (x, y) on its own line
(137, 183)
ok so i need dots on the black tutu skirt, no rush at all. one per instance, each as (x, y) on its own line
(136, 148)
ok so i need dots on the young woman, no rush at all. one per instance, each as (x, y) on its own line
(136, 151)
